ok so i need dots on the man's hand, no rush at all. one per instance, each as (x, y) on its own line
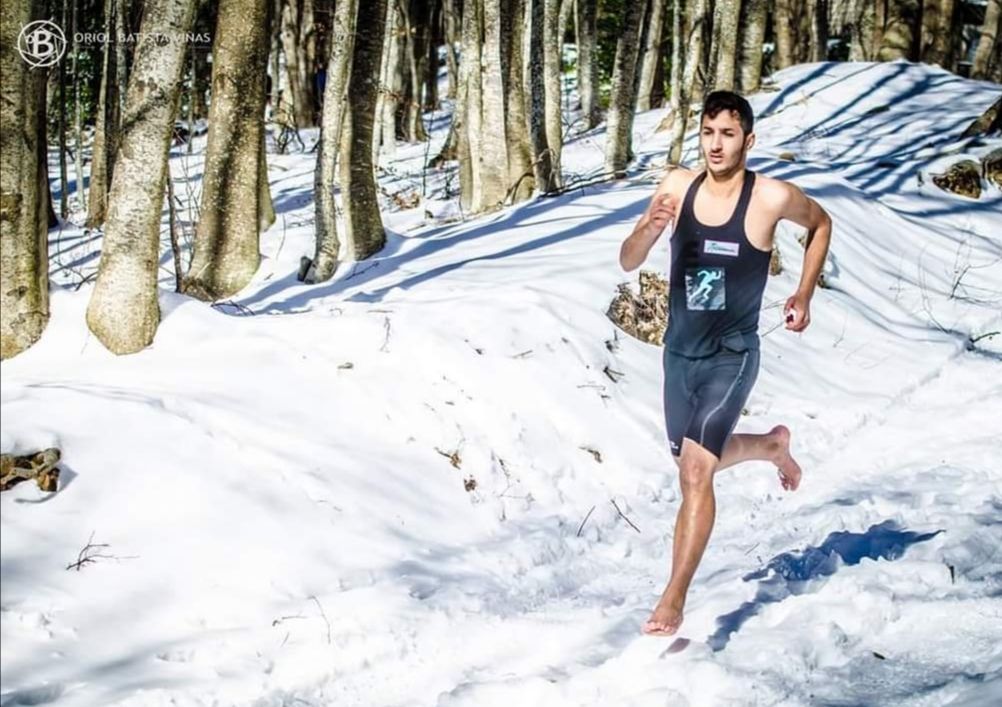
(662, 213)
(797, 312)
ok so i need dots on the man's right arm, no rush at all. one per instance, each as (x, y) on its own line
(652, 223)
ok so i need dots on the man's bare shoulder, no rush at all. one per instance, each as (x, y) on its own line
(772, 193)
(677, 180)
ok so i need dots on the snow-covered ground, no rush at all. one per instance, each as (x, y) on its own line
(416, 485)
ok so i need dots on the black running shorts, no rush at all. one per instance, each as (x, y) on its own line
(703, 397)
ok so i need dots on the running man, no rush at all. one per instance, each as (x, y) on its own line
(724, 220)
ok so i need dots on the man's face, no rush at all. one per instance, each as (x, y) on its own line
(723, 142)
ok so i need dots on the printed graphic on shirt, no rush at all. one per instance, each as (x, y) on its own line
(721, 248)
(704, 288)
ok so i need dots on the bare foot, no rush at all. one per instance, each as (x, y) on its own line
(666, 619)
(789, 470)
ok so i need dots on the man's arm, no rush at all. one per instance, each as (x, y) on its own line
(802, 210)
(651, 224)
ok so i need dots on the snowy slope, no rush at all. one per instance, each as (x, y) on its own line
(283, 528)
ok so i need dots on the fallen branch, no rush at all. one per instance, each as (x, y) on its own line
(621, 515)
(581, 527)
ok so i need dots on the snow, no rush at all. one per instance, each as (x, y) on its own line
(283, 529)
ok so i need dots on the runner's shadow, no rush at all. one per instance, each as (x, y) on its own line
(791, 573)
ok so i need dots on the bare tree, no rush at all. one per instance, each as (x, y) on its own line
(106, 126)
(897, 22)
(937, 32)
(542, 157)
(227, 243)
(587, 40)
(552, 48)
(651, 55)
(783, 27)
(694, 42)
(619, 143)
(817, 17)
(299, 48)
(335, 105)
(520, 173)
(24, 261)
(753, 21)
(363, 225)
(987, 50)
(123, 311)
(723, 51)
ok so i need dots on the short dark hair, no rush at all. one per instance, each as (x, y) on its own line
(728, 100)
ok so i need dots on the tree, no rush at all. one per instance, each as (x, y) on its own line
(723, 51)
(986, 56)
(587, 41)
(937, 32)
(332, 120)
(299, 47)
(619, 141)
(24, 194)
(227, 242)
(363, 225)
(896, 23)
(753, 20)
(106, 128)
(520, 173)
(123, 312)
(700, 16)
(552, 49)
(783, 28)
(547, 177)
(651, 56)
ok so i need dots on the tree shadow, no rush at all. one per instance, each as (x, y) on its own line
(791, 573)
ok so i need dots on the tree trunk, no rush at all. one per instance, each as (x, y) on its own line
(436, 38)
(493, 154)
(897, 37)
(416, 36)
(861, 28)
(753, 19)
(81, 193)
(123, 311)
(619, 141)
(102, 152)
(227, 242)
(675, 76)
(299, 48)
(724, 49)
(64, 177)
(988, 42)
(520, 173)
(24, 258)
(587, 24)
(451, 20)
(385, 139)
(700, 16)
(265, 206)
(335, 105)
(652, 56)
(471, 105)
(783, 28)
(364, 234)
(818, 19)
(937, 32)
(542, 157)
(552, 84)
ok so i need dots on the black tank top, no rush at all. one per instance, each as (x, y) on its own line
(716, 281)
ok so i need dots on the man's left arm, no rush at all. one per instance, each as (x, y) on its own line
(802, 210)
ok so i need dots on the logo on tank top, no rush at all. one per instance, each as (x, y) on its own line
(721, 247)
(704, 288)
